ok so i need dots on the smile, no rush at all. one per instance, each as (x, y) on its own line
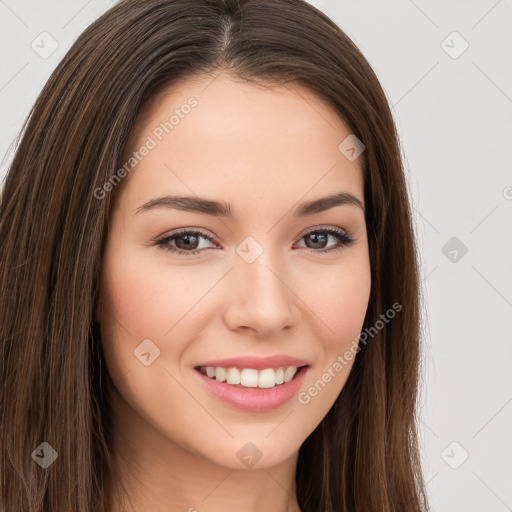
(257, 390)
(250, 377)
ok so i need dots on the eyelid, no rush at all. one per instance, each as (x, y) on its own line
(324, 227)
(191, 229)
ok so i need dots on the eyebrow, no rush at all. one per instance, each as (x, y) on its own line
(221, 209)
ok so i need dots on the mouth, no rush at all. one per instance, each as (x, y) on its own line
(266, 378)
(252, 390)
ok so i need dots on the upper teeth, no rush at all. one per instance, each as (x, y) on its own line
(251, 378)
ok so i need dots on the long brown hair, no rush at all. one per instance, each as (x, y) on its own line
(364, 454)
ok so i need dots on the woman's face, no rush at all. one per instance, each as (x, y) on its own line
(261, 281)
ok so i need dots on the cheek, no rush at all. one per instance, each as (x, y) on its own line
(134, 303)
(348, 306)
(146, 300)
(339, 301)
(341, 307)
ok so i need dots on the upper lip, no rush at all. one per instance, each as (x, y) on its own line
(258, 363)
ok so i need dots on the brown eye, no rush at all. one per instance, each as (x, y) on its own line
(185, 242)
(317, 240)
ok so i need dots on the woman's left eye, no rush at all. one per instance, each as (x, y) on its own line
(321, 236)
(187, 242)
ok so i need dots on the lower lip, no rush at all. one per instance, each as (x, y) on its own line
(255, 399)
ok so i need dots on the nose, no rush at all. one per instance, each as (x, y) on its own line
(260, 299)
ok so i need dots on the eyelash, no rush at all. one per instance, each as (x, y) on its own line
(342, 236)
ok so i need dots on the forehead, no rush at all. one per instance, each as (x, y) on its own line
(240, 139)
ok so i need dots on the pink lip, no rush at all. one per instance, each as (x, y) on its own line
(257, 363)
(255, 399)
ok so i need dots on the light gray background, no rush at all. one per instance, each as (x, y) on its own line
(454, 119)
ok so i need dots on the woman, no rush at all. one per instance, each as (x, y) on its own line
(209, 290)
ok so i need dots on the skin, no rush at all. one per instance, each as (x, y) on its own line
(264, 151)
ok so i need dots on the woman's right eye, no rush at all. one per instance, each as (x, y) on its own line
(184, 241)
